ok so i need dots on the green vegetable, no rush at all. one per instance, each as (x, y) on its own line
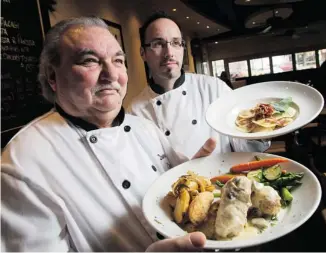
(286, 196)
(287, 179)
(256, 175)
(282, 105)
(294, 175)
(219, 184)
(274, 218)
(258, 158)
(217, 194)
(273, 172)
(293, 185)
(273, 224)
(261, 230)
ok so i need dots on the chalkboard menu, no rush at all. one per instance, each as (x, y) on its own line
(21, 44)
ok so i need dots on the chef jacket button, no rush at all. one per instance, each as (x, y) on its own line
(93, 139)
(127, 128)
(158, 102)
(184, 92)
(126, 184)
(194, 122)
(154, 168)
(167, 133)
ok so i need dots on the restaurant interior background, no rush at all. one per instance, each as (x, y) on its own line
(251, 40)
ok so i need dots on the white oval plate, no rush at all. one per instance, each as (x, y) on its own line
(305, 202)
(222, 113)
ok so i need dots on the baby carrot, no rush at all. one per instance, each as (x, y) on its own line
(224, 178)
(257, 164)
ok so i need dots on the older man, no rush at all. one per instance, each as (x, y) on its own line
(177, 102)
(74, 178)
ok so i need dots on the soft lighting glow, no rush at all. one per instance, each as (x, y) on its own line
(253, 22)
(216, 42)
(247, 0)
(276, 12)
(187, 17)
(207, 26)
(174, 9)
(198, 23)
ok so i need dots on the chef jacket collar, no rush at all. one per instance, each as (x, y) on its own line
(159, 90)
(86, 125)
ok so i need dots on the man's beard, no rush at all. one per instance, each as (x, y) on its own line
(171, 73)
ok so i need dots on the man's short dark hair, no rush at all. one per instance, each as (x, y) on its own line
(151, 19)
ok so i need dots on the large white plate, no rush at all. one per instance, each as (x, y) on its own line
(305, 202)
(222, 113)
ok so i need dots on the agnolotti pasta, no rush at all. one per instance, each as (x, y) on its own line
(265, 117)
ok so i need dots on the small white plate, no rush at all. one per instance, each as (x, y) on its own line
(305, 202)
(222, 113)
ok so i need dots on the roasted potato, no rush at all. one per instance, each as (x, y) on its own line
(181, 206)
(199, 207)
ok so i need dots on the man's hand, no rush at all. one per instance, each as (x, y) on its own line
(191, 242)
(207, 149)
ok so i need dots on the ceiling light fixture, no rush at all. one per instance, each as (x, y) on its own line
(276, 12)
(207, 26)
(198, 23)
(216, 42)
(187, 17)
(253, 22)
(174, 9)
(247, 0)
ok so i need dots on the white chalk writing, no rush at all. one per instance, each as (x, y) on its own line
(16, 57)
(5, 40)
(10, 48)
(9, 23)
(4, 31)
(26, 42)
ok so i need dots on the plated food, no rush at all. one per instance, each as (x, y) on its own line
(265, 117)
(245, 201)
(221, 115)
(305, 198)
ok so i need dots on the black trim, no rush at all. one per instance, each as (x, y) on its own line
(160, 90)
(86, 125)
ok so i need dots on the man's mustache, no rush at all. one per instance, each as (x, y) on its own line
(111, 86)
(165, 61)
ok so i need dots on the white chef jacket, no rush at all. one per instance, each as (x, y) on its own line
(65, 188)
(180, 114)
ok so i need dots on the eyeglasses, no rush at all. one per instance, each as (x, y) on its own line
(158, 44)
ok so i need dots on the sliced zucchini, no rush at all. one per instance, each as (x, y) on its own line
(256, 175)
(272, 173)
